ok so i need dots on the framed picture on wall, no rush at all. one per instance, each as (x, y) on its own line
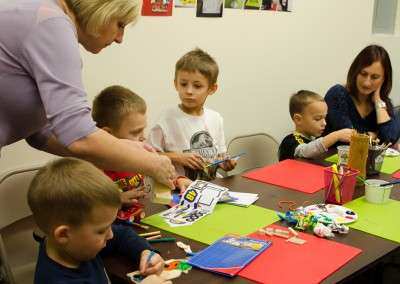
(209, 8)
(157, 8)
(185, 3)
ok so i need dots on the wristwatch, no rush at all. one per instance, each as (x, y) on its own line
(380, 104)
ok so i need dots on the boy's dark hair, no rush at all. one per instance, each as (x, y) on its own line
(67, 190)
(301, 99)
(201, 61)
(113, 103)
(365, 58)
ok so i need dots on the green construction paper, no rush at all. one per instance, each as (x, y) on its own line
(389, 165)
(225, 219)
(377, 219)
(333, 159)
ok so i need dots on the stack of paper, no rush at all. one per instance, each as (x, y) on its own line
(242, 198)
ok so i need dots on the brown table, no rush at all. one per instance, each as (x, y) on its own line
(375, 250)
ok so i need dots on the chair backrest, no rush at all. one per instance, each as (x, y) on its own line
(261, 149)
(18, 250)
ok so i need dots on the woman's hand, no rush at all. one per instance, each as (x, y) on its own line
(154, 265)
(191, 160)
(131, 196)
(376, 96)
(164, 171)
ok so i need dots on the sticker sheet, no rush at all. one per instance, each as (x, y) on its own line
(197, 201)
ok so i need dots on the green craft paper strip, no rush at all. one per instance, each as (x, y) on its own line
(389, 165)
(377, 219)
(225, 219)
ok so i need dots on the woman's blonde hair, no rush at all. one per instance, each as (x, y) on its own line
(94, 15)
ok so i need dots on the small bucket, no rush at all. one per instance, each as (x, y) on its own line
(339, 186)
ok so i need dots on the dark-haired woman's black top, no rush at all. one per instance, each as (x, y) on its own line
(342, 113)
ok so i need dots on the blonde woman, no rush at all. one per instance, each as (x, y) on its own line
(42, 98)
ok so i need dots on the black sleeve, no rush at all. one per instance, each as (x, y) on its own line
(126, 242)
(287, 148)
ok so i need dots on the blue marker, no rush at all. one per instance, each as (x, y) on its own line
(217, 162)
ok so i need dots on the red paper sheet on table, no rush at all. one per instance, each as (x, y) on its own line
(292, 174)
(285, 262)
(396, 175)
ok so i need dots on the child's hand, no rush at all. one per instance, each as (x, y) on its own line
(191, 160)
(131, 196)
(182, 183)
(155, 279)
(154, 266)
(228, 165)
(344, 135)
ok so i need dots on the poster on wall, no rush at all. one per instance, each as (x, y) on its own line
(234, 4)
(157, 8)
(252, 4)
(185, 3)
(277, 5)
(209, 8)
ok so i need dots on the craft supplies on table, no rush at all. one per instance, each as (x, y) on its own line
(377, 191)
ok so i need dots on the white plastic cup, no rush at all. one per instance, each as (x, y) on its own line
(375, 193)
(343, 154)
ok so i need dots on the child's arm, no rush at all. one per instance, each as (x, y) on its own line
(310, 150)
(189, 160)
(342, 135)
(126, 242)
(229, 164)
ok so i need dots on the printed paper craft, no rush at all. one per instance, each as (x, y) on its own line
(310, 262)
(291, 174)
(396, 175)
(197, 201)
(229, 255)
(226, 219)
(377, 219)
(209, 8)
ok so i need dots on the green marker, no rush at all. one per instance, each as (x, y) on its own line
(162, 240)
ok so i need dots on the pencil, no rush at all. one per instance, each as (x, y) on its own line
(150, 234)
(153, 237)
(162, 240)
(139, 225)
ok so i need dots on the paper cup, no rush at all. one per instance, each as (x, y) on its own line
(343, 154)
(375, 193)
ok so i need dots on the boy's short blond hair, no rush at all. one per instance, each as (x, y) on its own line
(201, 61)
(94, 15)
(113, 103)
(67, 190)
(301, 99)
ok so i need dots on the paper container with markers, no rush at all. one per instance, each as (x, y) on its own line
(339, 184)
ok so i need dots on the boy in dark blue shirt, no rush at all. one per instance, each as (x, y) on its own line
(75, 204)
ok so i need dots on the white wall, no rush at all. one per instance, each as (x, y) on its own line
(263, 56)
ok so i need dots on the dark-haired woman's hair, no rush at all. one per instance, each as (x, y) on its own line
(365, 58)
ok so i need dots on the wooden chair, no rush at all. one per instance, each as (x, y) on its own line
(261, 149)
(18, 249)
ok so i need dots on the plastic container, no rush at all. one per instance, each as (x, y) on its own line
(343, 154)
(374, 160)
(374, 193)
(339, 186)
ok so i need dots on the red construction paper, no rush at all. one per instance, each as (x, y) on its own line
(291, 174)
(285, 262)
(396, 175)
